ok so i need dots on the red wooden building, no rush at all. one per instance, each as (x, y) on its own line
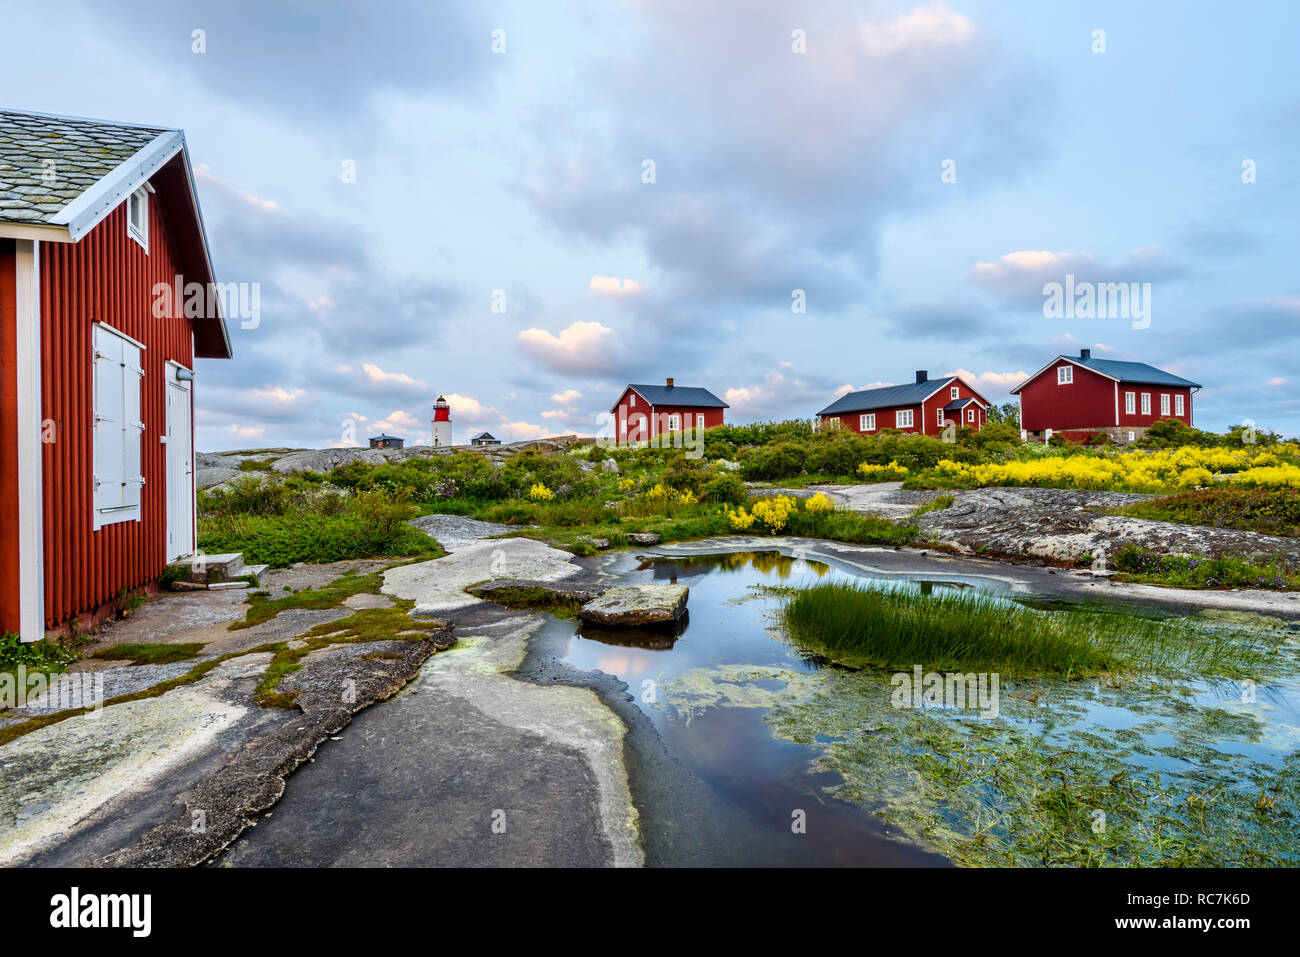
(643, 412)
(925, 406)
(96, 409)
(1077, 396)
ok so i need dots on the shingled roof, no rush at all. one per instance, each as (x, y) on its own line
(914, 393)
(47, 162)
(679, 395)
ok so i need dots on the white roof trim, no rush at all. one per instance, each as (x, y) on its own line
(40, 232)
(90, 208)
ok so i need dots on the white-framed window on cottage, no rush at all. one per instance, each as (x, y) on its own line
(631, 400)
(954, 393)
(699, 420)
(1064, 375)
(1164, 403)
(1130, 402)
(1146, 403)
(939, 417)
(867, 422)
(118, 431)
(137, 217)
(970, 415)
(903, 419)
(1178, 405)
(674, 422)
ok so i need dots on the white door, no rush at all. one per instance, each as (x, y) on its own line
(180, 468)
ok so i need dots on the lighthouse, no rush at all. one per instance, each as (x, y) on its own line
(441, 422)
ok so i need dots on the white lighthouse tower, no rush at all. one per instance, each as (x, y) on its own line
(441, 422)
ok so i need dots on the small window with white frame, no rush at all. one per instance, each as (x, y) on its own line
(954, 393)
(1130, 402)
(1164, 403)
(867, 422)
(674, 422)
(118, 431)
(970, 414)
(1064, 375)
(1146, 403)
(699, 420)
(903, 419)
(939, 417)
(631, 400)
(1178, 405)
(137, 217)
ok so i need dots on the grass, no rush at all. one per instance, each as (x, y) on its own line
(150, 654)
(281, 540)
(1268, 511)
(263, 608)
(936, 504)
(44, 656)
(862, 626)
(1137, 564)
(542, 599)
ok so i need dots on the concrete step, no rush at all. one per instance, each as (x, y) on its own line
(255, 570)
(206, 569)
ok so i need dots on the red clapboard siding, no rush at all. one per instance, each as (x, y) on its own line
(106, 277)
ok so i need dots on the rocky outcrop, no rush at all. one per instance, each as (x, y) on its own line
(507, 591)
(635, 606)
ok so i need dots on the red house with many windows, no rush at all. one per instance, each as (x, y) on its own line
(99, 225)
(643, 412)
(1078, 396)
(925, 406)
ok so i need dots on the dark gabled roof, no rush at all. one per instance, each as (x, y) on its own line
(958, 404)
(381, 438)
(485, 435)
(1138, 373)
(914, 393)
(678, 395)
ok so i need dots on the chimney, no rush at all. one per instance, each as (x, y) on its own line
(922, 375)
(1085, 353)
(670, 382)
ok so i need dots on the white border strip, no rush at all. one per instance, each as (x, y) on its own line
(27, 380)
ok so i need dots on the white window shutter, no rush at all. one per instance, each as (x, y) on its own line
(132, 426)
(118, 427)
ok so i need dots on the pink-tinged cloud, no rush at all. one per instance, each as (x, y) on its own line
(613, 287)
(582, 347)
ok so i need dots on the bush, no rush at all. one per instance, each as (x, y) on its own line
(783, 460)
(726, 489)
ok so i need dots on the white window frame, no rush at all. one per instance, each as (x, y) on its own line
(674, 422)
(1179, 407)
(939, 417)
(1130, 403)
(631, 400)
(117, 471)
(970, 415)
(1146, 403)
(699, 420)
(903, 419)
(954, 393)
(1164, 403)
(139, 232)
(1064, 375)
(867, 422)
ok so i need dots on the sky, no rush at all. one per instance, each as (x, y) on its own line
(525, 206)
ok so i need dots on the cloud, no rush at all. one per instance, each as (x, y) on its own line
(613, 287)
(1277, 380)
(1017, 278)
(565, 397)
(582, 347)
(992, 382)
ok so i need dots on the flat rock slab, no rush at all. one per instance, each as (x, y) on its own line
(636, 605)
(454, 532)
(439, 585)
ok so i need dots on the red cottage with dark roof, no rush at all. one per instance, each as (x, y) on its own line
(643, 412)
(925, 406)
(1078, 396)
(99, 222)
